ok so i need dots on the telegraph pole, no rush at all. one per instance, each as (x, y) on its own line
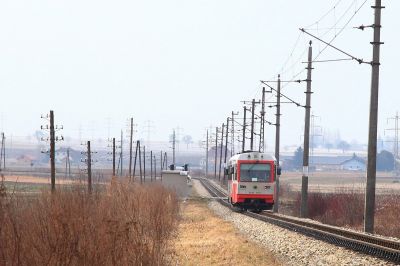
(113, 155)
(130, 150)
(277, 140)
(304, 179)
(373, 123)
(52, 152)
(216, 152)
(220, 152)
(244, 128)
(206, 172)
(89, 167)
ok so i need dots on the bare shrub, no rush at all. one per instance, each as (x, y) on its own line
(387, 215)
(124, 225)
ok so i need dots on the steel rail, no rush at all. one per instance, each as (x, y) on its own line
(364, 243)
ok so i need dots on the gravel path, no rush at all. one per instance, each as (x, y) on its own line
(289, 247)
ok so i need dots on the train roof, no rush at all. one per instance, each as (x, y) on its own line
(252, 156)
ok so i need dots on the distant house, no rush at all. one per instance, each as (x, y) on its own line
(354, 164)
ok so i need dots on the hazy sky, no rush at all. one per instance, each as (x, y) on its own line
(186, 63)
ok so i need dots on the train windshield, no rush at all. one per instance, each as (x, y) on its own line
(255, 172)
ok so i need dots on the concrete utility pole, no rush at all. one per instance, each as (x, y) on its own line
(140, 163)
(220, 152)
(233, 133)
(130, 150)
(261, 146)
(89, 167)
(144, 163)
(396, 119)
(369, 212)
(2, 153)
(206, 172)
(52, 152)
(253, 107)
(151, 166)
(244, 128)
(155, 168)
(136, 155)
(113, 155)
(173, 147)
(226, 143)
(161, 164)
(304, 179)
(216, 152)
(277, 140)
(67, 165)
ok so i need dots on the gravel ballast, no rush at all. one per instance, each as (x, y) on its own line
(289, 247)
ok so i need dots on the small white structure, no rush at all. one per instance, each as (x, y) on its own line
(354, 164)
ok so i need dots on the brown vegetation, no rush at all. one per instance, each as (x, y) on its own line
(345, 208)
(124, 225)
(205, 239)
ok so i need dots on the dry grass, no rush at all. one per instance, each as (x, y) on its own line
(205, 239)
(345, 208)
(124, 225)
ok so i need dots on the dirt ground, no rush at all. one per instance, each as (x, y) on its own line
(205, 239)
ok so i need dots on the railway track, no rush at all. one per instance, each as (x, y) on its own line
(368, 244)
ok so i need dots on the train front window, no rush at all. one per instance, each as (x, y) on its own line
(255, 172)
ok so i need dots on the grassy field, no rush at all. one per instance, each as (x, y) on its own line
(205, 239)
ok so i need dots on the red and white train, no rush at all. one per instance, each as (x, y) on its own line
(251, 180)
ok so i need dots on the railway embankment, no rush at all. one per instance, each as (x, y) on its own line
(288, 247)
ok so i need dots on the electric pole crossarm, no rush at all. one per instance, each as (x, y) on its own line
(360, 61)
(283, 95)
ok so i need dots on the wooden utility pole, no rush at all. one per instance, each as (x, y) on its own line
(130, 150)
(304, 179)
(113, 155)
(52, 152)
(220, 152)
(277, 141)
(206, 172)
(244, 129)
(216, 152)
(369, 211)
(89, 167)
